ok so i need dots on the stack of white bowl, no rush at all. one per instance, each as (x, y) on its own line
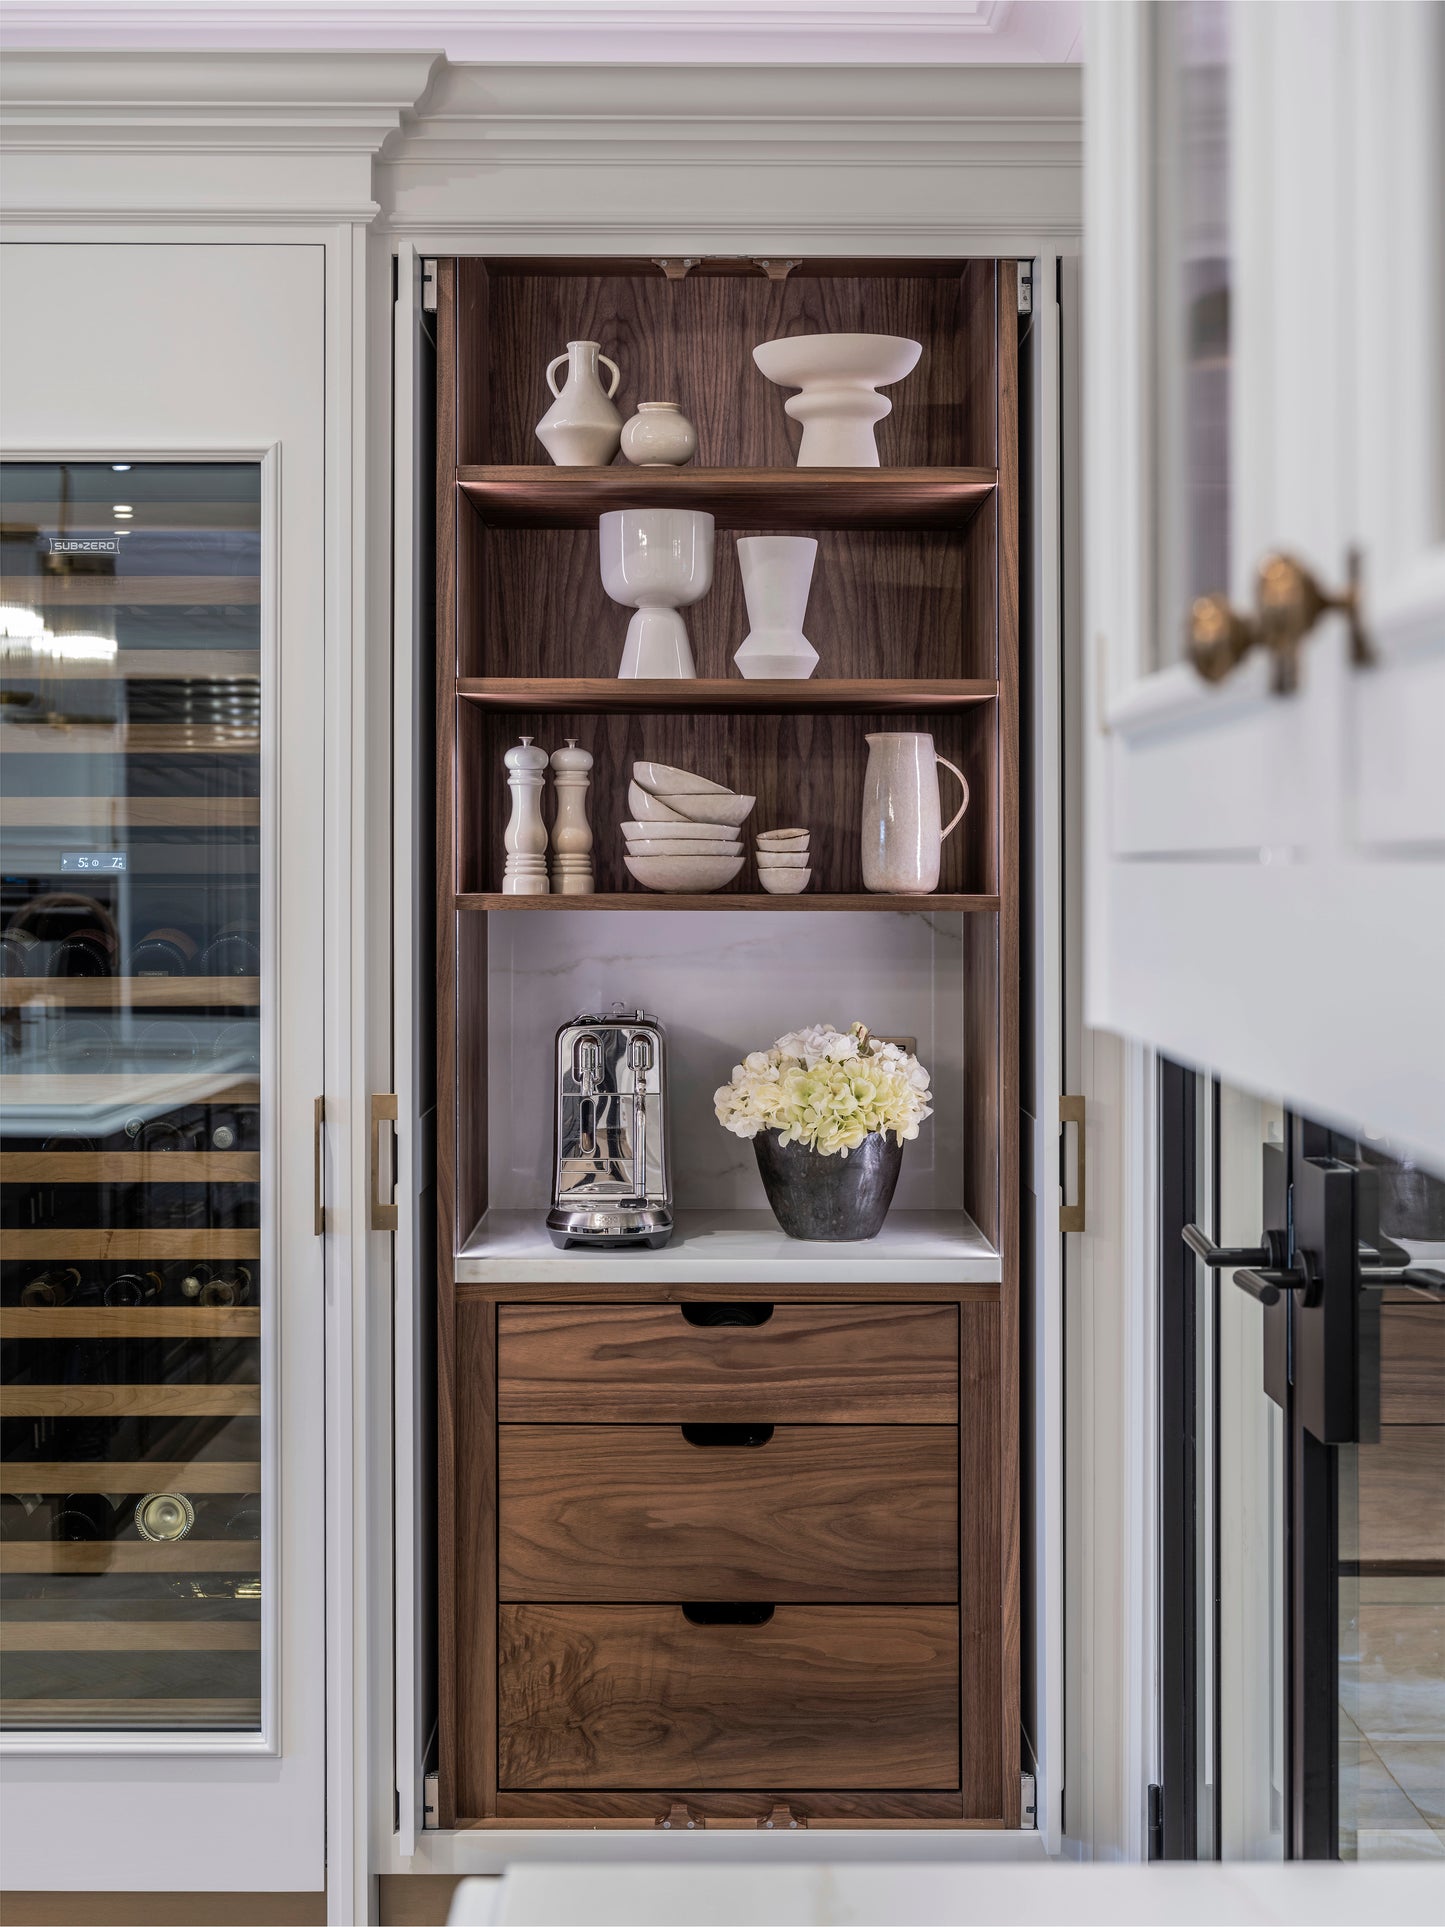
(684, 831)
(783, 862)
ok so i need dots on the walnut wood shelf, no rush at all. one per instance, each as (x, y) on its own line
(131, 1555)
(824, 696)
(720, 900)
(131, 1321)
(131, 993)
(507, 496)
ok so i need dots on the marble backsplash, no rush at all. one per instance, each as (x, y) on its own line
(721, 984)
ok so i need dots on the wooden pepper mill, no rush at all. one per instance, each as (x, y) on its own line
(571, 832)
(526, 838)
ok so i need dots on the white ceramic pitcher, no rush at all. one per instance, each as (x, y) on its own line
(902, 841)
(581, 429)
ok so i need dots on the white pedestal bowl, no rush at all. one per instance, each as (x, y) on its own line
(839, 376)
(656, 561)
(777, 574)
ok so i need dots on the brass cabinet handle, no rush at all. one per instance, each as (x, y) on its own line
(1290, 601)
(1072, 1216)
(383, 1110)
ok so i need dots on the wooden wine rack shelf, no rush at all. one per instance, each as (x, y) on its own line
(130, 1167)
(91, 738)
(131, 1475)
(131, 1321)
(131, 1555)
(130, 1401)
(153, 1246)
(150, 1092)
(130, 812)
(142, 665)
(129, 591)
(190, 1714)
(130, 1636)
(131, 993)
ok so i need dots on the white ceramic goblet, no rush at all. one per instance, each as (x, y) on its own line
(777, 574)
(656, 561)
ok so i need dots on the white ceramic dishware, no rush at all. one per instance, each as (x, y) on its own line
(782, 859)
(684, 872)
(656, 561)
(661, 779)
(682, 832)
(780, 839)
(728, 808)
(839, 376)
(902, 841)
(581, 429)
(777, 574)
(784, 883)
(659, 435)
(682, 846)
(649, 808)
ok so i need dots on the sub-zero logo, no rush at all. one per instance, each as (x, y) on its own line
(81, 544)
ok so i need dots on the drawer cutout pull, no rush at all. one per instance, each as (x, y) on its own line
(716, 1613)
(730, 1435)
(727, 1314)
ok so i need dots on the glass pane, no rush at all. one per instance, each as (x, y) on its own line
(1250, 1459)
(1192, 75)
(1392, 1544)
(130, 944)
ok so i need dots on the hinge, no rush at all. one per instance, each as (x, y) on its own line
(1028, 1802)
(428, 287)
(383, 1111)
(1072, 1216)
(1156, 1823)
(1026, 287)
(430, 1802)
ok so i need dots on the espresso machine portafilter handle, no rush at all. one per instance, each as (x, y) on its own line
(639, 1056)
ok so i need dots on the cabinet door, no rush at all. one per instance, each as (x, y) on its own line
(162, 1284)
(1264, 380)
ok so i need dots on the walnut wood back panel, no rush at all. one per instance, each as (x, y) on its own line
(692, 342)
(803, 769)
(646, 1364)
(814, 1513)
(638, 1696)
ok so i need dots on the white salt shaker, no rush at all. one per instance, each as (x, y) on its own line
(571, 832)
(526, 838)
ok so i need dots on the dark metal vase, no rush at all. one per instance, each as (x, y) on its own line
(836, 1200)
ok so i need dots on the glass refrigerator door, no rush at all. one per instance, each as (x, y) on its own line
(135, 1307)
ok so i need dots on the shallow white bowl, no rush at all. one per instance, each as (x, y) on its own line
(782, 859)
(648, 808)
(684, 872)
(654, 846)
(784, 883)
(661, 779)
(691, 832)
(729, 808)
(874, 359)
(781, 839)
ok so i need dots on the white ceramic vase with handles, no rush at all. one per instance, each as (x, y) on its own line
(902, 837)
(581, 429)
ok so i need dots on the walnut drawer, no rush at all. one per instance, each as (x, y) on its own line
(663, 1512)
(824, 1697)
(630, 1364)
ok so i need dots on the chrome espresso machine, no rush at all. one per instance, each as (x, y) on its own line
(611, 1187)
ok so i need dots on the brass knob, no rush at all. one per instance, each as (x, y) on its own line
(1290, 601)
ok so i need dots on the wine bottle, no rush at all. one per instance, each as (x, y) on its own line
(234, 952)
(163, 952)
(83, 1515)
(162, 1516)
(238, 1047)
(230, 1288)
(79, 1045)
(134, 1288)
(188, 1278)
(171, 1044)
(238, 1130)
(245, 1521)
(50, 1288)
(89, 952)
(22, 953)
(16, 1517)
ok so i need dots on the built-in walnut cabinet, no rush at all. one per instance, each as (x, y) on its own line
(734, 1526)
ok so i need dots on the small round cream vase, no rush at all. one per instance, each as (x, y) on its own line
(659, 435)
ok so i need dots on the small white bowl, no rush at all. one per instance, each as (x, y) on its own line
(691, 832)
(782, 859)
(684, 872)
(662, 779)
(648, 808)
(784, 883)
(780, 839)
(654, 846)
(728, 808)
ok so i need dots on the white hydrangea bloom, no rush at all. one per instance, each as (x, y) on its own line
(826, 1088)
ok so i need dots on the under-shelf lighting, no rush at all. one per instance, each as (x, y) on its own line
(121, 468)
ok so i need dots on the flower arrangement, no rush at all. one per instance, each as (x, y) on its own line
(826, 1089)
